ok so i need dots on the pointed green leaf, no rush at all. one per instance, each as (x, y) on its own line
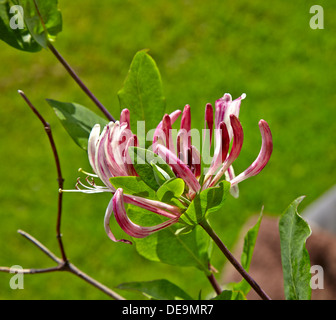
(77, 120)
(157, 289)
(173, 188)
(207, 201)
(142, 93)
(295, 260)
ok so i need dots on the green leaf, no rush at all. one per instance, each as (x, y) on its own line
(170, 247)
(133, 185)
(142, 92)
(143, 160)
(207, 201)
(171, 191)
(157, 289)
(17, 38)
(246, 257)
(295, 260)
(230, 295)
(23, 28)
(77, 120)
(173, 188)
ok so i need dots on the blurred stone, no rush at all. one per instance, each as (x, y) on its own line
(322, 212)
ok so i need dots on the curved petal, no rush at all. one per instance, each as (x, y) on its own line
(125, 117)
(225, 107)
(263, 157)
(186, 122)
(101, 163)
(161, 208)
(167, 130)
(182, 145)
(110, 152)
(221, 149)
(107, 218)
(208, 122)
(173, 117)
(92, 145)
(127, 225)
(238, 137)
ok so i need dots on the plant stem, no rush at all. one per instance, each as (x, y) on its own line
(215, 284)
(233, 261)
(80, 82)
(61, 266)
(69, 69)
(60, 179)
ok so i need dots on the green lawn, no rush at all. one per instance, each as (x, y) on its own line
(203, 49)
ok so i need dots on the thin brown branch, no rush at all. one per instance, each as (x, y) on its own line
(61, 266)
(38, 244)
(233, 261)
(214, 284)
(81, 84)
(60, 179)
(70, 70)
(28, 271)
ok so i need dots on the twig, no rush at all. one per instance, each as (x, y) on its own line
(214, 283)
(80, 82)
(59, 173)
(38, 244)
(61, 266)
(70, 70)
(233, 261)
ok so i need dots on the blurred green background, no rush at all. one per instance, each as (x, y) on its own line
(203, 49)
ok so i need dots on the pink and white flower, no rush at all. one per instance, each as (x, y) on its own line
(108, 152)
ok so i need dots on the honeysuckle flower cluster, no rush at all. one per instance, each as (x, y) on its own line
(108, 153)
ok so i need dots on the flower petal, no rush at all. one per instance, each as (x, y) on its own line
(208, 119)
(186, 122)
(127, 225)
(221, 149)
(167, 130)
(161, 208)
(158, 131)
(101, 163)
(107, 218)
(125, 117)
(263, 157)
(110, 152)
(238, 137)
(92, 145)
(225, 107)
